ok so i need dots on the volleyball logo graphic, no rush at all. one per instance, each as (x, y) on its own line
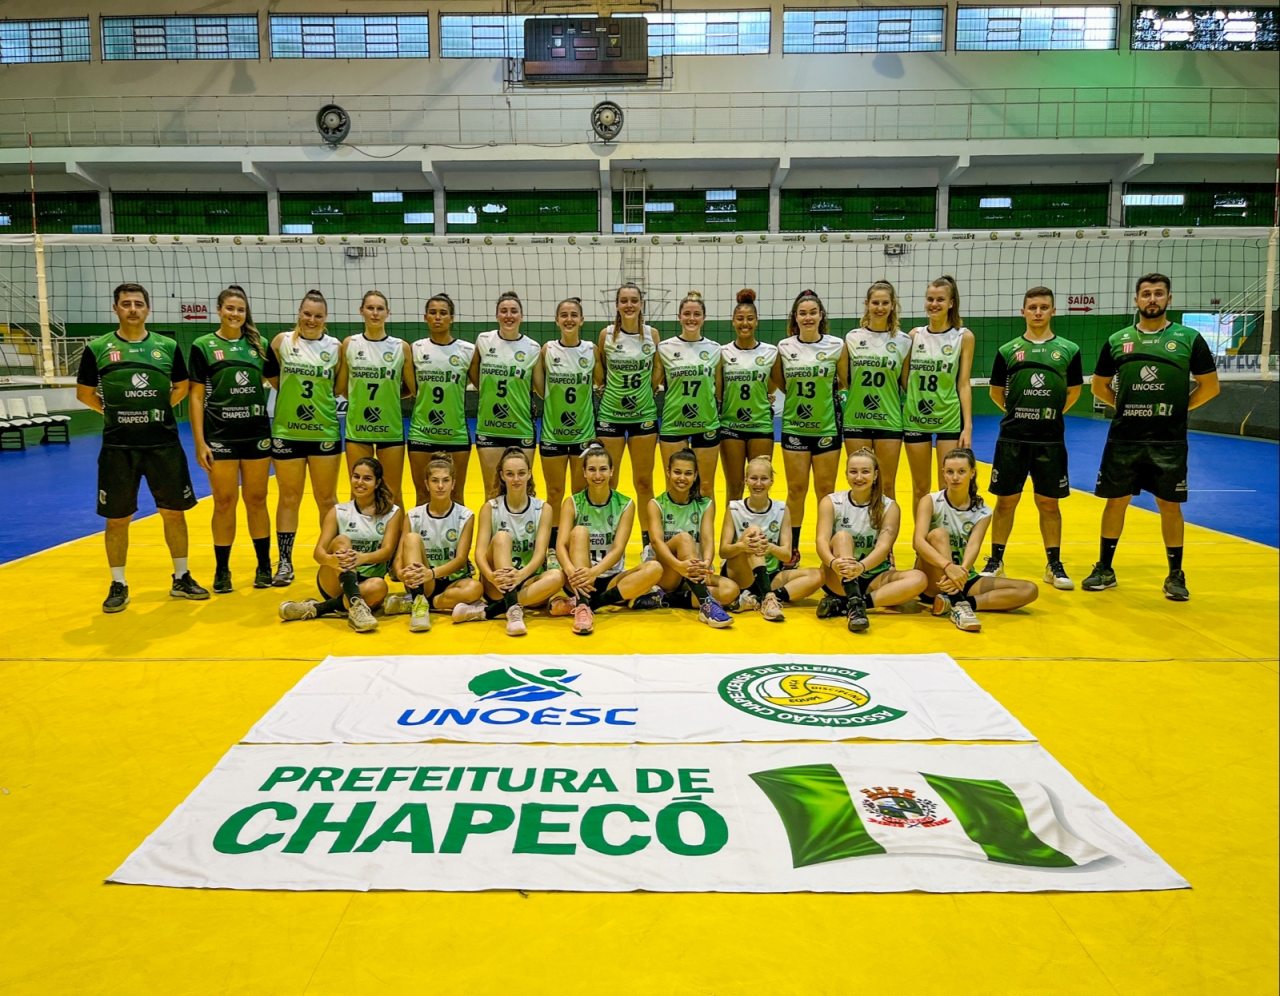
(500, 410)
(805, 695)
(1037, 379)
(569, 419)
(926, 406)
(1149, 374)
(436, 417)
(305, 412)
(870, 402)
(689, 411)
(804, 412)
(242, 378)
(139, 381)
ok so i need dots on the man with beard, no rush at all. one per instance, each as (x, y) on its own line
(1152, 363)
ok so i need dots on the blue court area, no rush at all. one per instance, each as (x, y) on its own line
(1234, 483)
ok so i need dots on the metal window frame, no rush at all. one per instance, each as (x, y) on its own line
(39, 45)
(333, 36)
(1058, 13)
(884, 16)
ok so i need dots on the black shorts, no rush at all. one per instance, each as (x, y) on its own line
(1130, 467)
(381, 444)
(1046, 462)
(643, 427)
(912, 436)
(817, 445)
(745, 435)
(694, 440)
(857, 432)
(443, 585)
(418, 447)
(121, 470)
(300, 449)
(503, 442)
(549, 451)
(240, 449)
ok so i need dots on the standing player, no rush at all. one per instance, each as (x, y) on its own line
(134, 377)
(441, 368)
(691, 370)
(506, 369)
(570, 376)
(1152, 362)
(746, 403)
(628, 415)
(304, 365)
(377, 373)
(938, 411)
(233, 432)
(1035, 380)
(873, 409)
(811, 365)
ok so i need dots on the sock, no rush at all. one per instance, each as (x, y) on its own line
(760, 586)
(555, 535)
(262, 550)
(415, 590)
(1053, 553)
(350, 582)
(867, 600)
(334, 604)
(599, 599)
(284, 543)
(997, 551)
(180, 569)
(117, 574)
(1174, 553)
(495, 608)
(681, 598)
(795, 539)
(222, 557)
(644, 537)
(700, 590)
(973, 604)
(851, 587)
(782, 594)
(1107, 550)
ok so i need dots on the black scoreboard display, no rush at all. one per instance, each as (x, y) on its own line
(586, 49)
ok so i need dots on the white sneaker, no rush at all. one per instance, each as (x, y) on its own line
(397, 605)
(293, 611)
(515, 621)
(771, 608)
(747, 601)
(419, 615)
(468, 612)
(965, 618)
(360, 617)
(1056, 575)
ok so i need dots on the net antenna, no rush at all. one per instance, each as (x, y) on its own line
(42, 278)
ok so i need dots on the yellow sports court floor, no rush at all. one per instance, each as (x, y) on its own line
(1167, 712)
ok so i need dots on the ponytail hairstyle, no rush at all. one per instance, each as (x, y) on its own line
(760, 461)
(806, 295)
(383, 500)
(953, 309)
(249, 330)
(894, 307)
(316, 297)
(875, 508)
(687, 455)
(511, 453)
(576, 302)
(442, 296)
(510, 296)
(694, 297)
(439, 461)
(975, 499)
(595, 448)
(617, 314)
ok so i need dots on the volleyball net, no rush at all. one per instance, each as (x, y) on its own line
(55, 290)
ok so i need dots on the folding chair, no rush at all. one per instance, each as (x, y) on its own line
(57, 428)
(11, 430)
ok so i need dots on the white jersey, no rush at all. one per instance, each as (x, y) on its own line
(850, 517)
(440, 535)
(366, 533)
(522, 525)
(768, 522)
(958, 522)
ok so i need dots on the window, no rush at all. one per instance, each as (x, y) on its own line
(74, 213)
(214, 213)
(697, 211)
(531, 212)
(720, 32)
(1204, 29)
(133, 38)
(1035, 29)
(1200, 204)
(871, 210)
(867, 29)
(357, 213)
(349, 36)
(1077, 205)
(65, 40)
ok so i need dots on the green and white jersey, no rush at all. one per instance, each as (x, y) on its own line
(506, 386)
(440, 409)
(768, 522)
(1152, 372)
(522, 525)
(933, 404)
(135, 380)
(306, 408)
(689, 404)
(809, 372)
(958, 522)
(678, 518)
(374, 374)
(850, 517)
(875, 369)
(602, 523)
(235, 397)
(568, 412)
(628, 383)
(441, 535)
(366, 533)
(1035, 376)
(745, 406)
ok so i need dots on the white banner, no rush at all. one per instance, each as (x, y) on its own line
(659, 698)
(704, 818)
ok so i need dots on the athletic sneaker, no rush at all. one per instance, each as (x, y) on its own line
(284, 575)
(222, 581)
(360, 617)
(941, 604)
(655, 599)
(420, 615)
(293, 611)
(468, 612)
(398, 604)
(747, 602)
(186, 587)
(1101, 579)
(771, 608)
(262, 577)
(965, 618)
(713, 614)
(857, 615)
(515, 621)
(562, 605)
(994, 568)
(553, 562)
(583, 620)
(117, 597)
(1175, 587)
(831, 606)
(1056, 575)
